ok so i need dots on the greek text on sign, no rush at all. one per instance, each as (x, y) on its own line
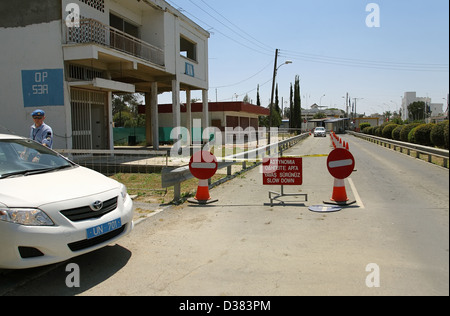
(282, 171)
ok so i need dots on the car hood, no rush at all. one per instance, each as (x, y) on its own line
(40, 189)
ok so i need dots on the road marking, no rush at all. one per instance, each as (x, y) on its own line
(355, 194)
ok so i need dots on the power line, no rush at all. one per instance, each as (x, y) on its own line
(351, 62)
(263, 52)
(264, 46)
(242, 81)
(243, 94)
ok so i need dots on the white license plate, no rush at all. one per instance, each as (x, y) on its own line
(103, 228)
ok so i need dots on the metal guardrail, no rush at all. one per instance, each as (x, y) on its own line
(419, 149)
(175, 176)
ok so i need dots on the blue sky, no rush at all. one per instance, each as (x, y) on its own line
(331, 47)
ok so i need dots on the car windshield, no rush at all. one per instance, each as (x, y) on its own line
(22, 157)
(319, 129)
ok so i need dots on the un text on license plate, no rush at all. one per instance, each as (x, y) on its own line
(103, 229)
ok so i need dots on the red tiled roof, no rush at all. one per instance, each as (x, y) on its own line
(216, 107)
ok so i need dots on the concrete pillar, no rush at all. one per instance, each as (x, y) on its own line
(151, 117)
(176, 111)
(205, 117)
(148, 120)
(155, 115)
(189, 115)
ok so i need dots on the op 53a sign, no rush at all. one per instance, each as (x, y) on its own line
(43, 87)
(282, 171)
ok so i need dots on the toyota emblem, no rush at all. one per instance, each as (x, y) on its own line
(96, 206)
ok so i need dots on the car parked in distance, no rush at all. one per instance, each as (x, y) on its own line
(52, 209)
(320, 132)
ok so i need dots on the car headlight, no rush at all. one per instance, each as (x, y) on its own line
(123, 192)
(26, 217)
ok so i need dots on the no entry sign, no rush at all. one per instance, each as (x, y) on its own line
(203, 165)
(282, 171)
(340, 163)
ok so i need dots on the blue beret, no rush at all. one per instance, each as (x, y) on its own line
(38, 113)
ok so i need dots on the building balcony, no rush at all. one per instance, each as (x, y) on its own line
(92, 31)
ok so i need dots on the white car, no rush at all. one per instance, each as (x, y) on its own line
(51, 209)
(320, 131)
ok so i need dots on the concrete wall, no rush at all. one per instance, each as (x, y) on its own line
(27, 12)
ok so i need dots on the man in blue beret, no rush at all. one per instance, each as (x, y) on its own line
(41, 132)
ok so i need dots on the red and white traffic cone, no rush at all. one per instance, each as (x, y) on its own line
(339, 193)
(202, 195)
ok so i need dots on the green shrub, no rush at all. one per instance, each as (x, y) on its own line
(412, 134)
(372, 129)
(366, 129)
(404, 133)
(437, 134)
(377, 131)
(422, 134)
(446, 131)
(362, 126)
(396, 132)
(387, 130)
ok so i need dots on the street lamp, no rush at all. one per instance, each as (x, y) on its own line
(275, 70)
(320, 102)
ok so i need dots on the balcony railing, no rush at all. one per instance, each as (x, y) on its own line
(93, 31)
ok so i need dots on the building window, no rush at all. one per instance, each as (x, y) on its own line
(124, 26)
(188, 49)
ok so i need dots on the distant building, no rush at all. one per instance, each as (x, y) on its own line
(221, 114)
(436, 109)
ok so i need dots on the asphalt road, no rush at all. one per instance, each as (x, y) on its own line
(397, 233)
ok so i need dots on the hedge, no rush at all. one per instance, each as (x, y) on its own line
(362, 126)
(446, 131)
(422, 134)
(387, 130)
(396, 132)
(437, 134)
(405, 131)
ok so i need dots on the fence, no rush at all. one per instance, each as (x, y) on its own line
(175, 176)
(110, 162)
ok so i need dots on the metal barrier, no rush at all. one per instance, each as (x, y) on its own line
(419, 149)
(175, 176)
(115, 161)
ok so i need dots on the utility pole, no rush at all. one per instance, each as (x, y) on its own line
(447, 108)
(273, 90)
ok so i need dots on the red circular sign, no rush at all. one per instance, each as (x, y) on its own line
(203, 165)
(340, 163)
